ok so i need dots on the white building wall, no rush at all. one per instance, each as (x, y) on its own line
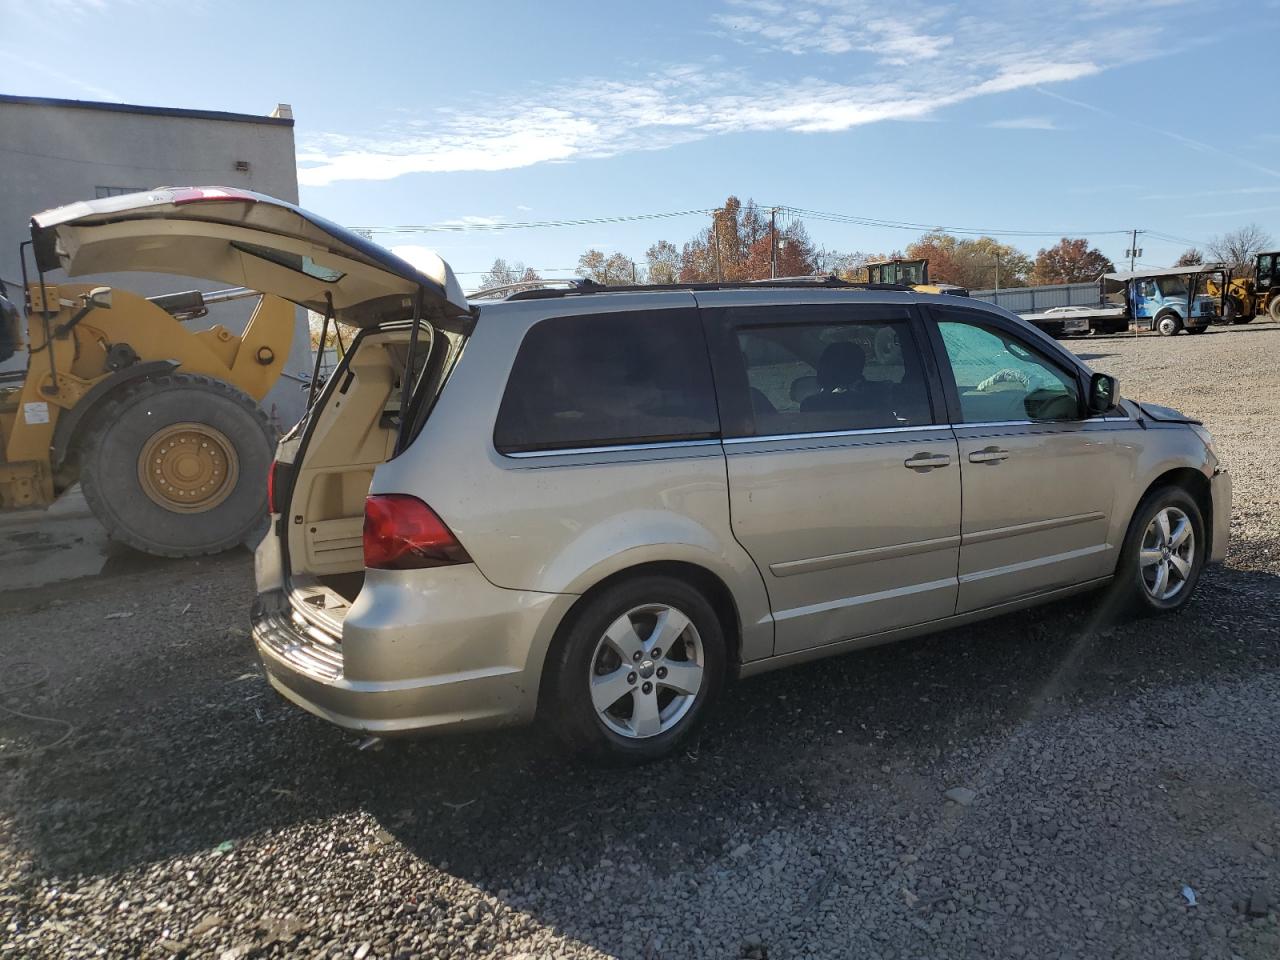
(54, 152)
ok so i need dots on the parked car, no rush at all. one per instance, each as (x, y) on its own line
(597, 507)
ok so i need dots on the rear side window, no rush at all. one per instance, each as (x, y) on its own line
(606, 379)
(845, 368)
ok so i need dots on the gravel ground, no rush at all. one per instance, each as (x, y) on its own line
(1093, 775)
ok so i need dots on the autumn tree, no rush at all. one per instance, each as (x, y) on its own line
(971, 263)
(1239, 249)
(616, 268)
(1070, 261)
(591, 266)
(663, 261)
(1189, 258)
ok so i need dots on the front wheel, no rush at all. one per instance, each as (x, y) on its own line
(1168, 325)
(1163, 555)
(636, 670)
(1273, 309)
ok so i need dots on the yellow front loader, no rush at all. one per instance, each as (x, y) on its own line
(159, 424)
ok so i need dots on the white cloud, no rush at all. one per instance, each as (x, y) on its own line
(1235, 192)
(1024, 123)
(875, 67)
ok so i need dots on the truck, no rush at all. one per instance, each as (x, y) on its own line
(1167, 300)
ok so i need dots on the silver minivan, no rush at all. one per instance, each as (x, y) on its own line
(596, 505)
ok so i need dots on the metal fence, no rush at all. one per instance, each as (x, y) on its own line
(1036, 299)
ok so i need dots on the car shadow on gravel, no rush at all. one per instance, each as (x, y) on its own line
(177, 777)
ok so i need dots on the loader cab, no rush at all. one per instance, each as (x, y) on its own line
(909, 273)
(1266, 272)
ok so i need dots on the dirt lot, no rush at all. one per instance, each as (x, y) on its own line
(188, 811)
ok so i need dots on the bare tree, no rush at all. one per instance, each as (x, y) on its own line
(1190, 257)
(1239, 249)
(501, 274)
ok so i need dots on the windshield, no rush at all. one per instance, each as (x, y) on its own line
(1172, 287)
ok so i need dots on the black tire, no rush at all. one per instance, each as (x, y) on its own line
(129, 420)
(1273, 308)
(1196, 329)
(1129, 594)
(567, 702)
(1168, 324)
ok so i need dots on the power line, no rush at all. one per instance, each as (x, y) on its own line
(907, 225)
(802, 212)
(532, 224)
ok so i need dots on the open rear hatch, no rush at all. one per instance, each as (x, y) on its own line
(251, 240)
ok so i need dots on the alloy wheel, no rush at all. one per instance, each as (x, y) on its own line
(1167, 554)
(646, 672)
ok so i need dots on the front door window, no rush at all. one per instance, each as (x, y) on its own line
(999, 378)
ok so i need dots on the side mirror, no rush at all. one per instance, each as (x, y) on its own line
(1104, 390)
(99, 297)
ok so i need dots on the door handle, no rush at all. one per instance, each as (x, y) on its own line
(989, 455)
(927, 461)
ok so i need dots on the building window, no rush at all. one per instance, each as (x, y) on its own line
(101, 192)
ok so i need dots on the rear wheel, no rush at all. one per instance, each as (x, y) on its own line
(1196, 329)
(1163, 555)
(176, 465)
(1168, 324)
(1273, 308)
(636, 670)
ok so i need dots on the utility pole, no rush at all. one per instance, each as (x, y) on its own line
(633, 273)
(773, 243)
(1133, 253)
(997, 269)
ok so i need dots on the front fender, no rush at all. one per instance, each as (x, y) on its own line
(70, 421)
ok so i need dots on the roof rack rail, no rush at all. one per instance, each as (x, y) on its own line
(505, 289)
(587, 286)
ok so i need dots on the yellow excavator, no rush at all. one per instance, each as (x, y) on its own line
(911, 273)
(160, 425)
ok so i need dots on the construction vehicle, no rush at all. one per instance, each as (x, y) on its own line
(1247, 298)
(160, 425)
(910, 273)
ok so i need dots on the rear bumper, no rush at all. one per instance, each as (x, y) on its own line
(421, 650)
(1220, 493)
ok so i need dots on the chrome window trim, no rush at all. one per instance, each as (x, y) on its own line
(835, 434)
(612, 448)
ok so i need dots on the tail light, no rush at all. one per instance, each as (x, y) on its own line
(403, 533)
(273, 487)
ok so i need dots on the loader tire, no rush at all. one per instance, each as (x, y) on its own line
(1273, 309)
(176, 465)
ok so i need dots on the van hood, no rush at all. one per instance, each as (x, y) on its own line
(249, 240)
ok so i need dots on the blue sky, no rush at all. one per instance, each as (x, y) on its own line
(1083, 117)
